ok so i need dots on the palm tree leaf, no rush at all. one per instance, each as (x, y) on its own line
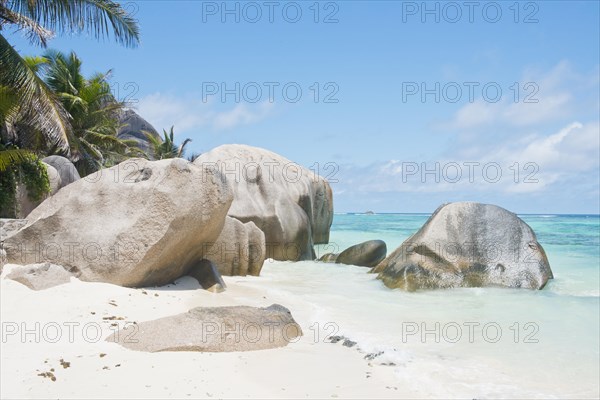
(35, 63)
(14, 156)
(96, 17)
(35, 32)
(47, 114)
(103, 140)
(182, 147)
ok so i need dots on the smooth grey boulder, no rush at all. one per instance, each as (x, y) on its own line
(213, 329)
(40, 276)
(366, 254)
(290, 204)
(208, 276)
(468, 245)
(133, 127)
(139, 223)
(239, 250)
(67, 173)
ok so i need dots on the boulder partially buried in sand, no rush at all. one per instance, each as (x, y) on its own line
(140, 223)
(213, 329)
(40, 276)
(290, 204)
(468, 245)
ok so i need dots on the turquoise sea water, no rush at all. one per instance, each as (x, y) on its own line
(468, 342)
(572, 243)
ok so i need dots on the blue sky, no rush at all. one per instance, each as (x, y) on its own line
(533, 148)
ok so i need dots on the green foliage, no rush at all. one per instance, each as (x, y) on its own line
(35, 177)
(27, 169)
(33, 113)
(8, 193)
(80, 121)
(93, 109)
(13, 157)
(166, 147)
(193, 157)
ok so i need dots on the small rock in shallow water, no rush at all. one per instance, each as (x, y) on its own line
(366, 254)
(329, 257)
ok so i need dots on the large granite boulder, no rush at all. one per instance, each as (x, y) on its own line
(290, 204)
(213, 329)
(239, 249)
(366, 254)
(140, 223)
(133, 127)
(468, 245)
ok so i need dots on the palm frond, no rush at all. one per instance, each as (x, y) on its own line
(13, 157)
(47, 113)
(182, 147)
(34, 32)
(95, 17)
(35, 63)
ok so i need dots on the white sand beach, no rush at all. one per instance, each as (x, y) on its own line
(99, 369)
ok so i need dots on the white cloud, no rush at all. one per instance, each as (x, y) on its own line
(163, 111)
(532, 164)
(541, 97)
(556, 158)
(189, 114)
(241, 115)
(474, 114)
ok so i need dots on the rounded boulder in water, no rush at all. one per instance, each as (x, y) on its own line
(468, 245)
(366, 254)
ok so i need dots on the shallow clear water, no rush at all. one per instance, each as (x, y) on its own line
(475, 342)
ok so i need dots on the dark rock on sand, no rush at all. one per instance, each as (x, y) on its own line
(207, 274)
